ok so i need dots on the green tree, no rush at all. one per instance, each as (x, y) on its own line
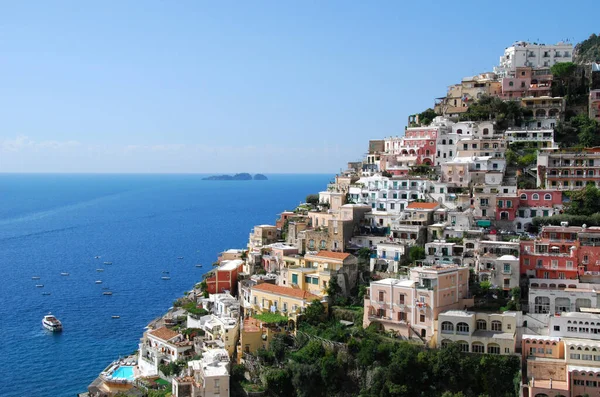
(585, 201)
(416, 253)
(314, 313)
(427, 116)
(312, 199)
(563, 70)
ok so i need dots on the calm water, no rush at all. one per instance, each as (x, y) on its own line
(141, 223)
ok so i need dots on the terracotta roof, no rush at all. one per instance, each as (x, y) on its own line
(422, 206)
(163, 333)
(286, 291)
(251, 325)
(333, 255)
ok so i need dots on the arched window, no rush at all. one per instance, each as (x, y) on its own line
(459, 131)
(464, 346)
(477, 347)
(447, 327)
(523, 196)
(311, 243)
(443, 141)
(481, 325)
(510, 83)
(493, 348)
(496, 325)
(547, 196)
(445, 343)
(462, 328)
(486, 131)
(450, 142)
(535, 196)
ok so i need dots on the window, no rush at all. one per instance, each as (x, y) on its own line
(401, 301)
(507, 268)
(447, 327)
(523, 196)
(542, 305)
(588, 357)
(554, 264)
(311, 243)
(569, 264)
(496, 325)
(481, 325)
(323, 244)
(500, 203)
(511, 83)
(547, 196)
(381, 296)
(422, 318)
(535, 196)
(478, 347)
(462, 328)
(493, 348)
(294, 278)
(464, 346)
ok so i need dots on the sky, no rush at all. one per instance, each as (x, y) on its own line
(123, 86)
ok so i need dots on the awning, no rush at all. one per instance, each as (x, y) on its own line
(484, 223)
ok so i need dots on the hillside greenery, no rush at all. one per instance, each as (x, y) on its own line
(588, 50)
(504, 113)
(366, 363)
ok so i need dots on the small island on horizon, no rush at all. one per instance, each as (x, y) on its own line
(244, 176)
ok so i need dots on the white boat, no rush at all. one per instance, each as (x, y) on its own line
(51, 323)
(39, 285)
(98, 281)
(108, 263)
(198, 265)
(165, 277)
(107, 293)
(35, 277)
(99, 270)
(97, 257)
(180, 257)
(115, 316)
(64, 274)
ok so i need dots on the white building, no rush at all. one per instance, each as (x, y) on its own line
(388, 194)
(225, 329)
(208, 377)
(161, 346)
(526, 54)
(388, 257)
(492, 333)
(549, 296)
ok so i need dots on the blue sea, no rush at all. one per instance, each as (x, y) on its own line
(141, 223)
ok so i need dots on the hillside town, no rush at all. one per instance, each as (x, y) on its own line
(473, 230)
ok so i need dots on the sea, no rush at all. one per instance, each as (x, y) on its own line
(74, 223)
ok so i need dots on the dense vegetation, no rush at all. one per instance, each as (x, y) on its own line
(588, 50)
(366, 363)
(505, 113)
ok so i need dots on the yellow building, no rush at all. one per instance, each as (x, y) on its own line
(287, 301)
(256, 334)
(314, 271)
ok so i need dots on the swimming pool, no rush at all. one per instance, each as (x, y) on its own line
(123, 372)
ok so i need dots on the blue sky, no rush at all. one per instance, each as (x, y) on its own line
(257, 86)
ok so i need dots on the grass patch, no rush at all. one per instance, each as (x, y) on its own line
(271, 318)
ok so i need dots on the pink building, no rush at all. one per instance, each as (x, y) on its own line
(418, 145)
(411, 306)
(527, 82)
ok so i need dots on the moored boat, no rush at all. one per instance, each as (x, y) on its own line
(107, 293)
(199, 265)
(39, 285)
(51, 323)
(98, 281)
(108, 263)
(115, 316)
(165, 277)
(99, 270)
(64, 274)
(35, 277)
